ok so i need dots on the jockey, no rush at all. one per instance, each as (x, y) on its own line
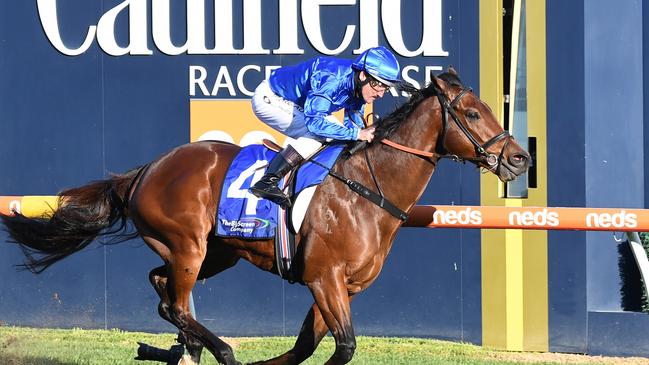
(298, 101)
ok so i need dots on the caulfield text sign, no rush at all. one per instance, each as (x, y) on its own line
(220, 39)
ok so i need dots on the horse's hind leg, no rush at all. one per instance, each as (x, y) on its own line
(182, 269)
(219, 258)
(312, 332)
(183, 272)
(158, 278)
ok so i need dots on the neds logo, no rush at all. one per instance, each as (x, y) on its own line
(465, 216)
(616, 220)
(540, 218)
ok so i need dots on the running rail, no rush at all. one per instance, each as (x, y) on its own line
(630, 221)
(29, 205)
(541, 218)
(448, 216)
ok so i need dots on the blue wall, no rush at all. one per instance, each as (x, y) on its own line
(67, 120)
(595, 158)
(565, 128)
(614, 136)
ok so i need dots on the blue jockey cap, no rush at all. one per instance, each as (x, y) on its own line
(380, 64)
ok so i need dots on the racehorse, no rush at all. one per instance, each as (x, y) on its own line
(342, 243)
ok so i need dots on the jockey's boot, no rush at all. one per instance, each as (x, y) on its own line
(267, 186)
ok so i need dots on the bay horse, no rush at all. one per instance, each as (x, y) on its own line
(341, 246)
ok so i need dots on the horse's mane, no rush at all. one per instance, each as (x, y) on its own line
(387, 125)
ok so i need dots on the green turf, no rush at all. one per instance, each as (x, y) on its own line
(22, 346)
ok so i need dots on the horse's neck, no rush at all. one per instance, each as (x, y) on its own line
(422, 126)
(401, 175)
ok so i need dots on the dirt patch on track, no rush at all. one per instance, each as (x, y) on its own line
(557, 358)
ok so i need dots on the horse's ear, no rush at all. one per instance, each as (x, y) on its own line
(451, 71)
(435, 81)
(439, 84)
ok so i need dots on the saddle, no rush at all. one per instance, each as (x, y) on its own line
(240, 214)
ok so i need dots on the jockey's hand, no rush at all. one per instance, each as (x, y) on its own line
(366, 134)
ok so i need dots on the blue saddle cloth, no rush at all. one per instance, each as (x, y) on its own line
(243, 215)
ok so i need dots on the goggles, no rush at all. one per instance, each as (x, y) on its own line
(378, 85)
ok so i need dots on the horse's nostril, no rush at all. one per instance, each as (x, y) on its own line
(519, 159)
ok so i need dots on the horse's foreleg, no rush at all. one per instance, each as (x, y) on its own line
(332, 297)
(313, 330)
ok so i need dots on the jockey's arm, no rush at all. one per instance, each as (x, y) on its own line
(355, 117)
(316, 110)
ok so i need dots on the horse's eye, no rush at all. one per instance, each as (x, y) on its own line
(472, 115)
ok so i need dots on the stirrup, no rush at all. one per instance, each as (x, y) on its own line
(284, 202)
(277, 197)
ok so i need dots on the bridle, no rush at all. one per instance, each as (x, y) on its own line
(483, 158)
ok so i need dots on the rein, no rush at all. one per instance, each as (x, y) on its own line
(413, 151)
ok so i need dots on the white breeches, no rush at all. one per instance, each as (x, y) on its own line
(287, 118)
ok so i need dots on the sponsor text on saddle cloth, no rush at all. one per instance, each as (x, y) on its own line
(243, 215)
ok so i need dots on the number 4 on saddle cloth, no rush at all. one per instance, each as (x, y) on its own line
(243, 215)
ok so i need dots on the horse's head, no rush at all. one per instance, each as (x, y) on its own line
(470, 131)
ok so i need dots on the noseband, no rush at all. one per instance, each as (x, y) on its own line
(482, 156)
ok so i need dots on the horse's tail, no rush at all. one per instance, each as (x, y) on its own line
(82, 215)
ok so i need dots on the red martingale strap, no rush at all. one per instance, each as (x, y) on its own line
(408, 149)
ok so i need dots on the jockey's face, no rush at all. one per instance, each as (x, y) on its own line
(372, 90)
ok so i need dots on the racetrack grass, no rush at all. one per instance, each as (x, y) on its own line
(23, 346)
